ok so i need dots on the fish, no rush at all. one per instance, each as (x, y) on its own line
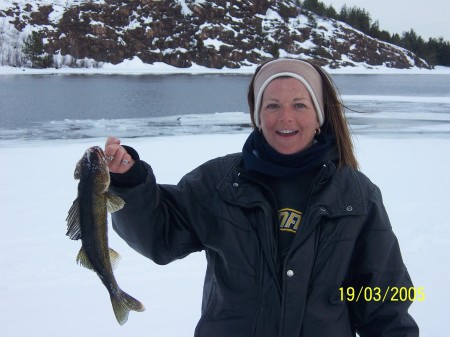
(87, 221)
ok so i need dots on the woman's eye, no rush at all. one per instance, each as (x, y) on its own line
(272, 106)
(299, 106)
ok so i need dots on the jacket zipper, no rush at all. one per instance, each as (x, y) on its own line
(310, 219)
(304, 232)
(269, 226)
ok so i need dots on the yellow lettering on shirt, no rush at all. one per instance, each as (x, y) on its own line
(289, 219)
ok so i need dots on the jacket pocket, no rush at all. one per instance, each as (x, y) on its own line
(332, 262)
(339, 229)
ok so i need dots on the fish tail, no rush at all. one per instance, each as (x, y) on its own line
(123, 304)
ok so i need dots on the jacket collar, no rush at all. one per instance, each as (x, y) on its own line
(337, 191)
(237, 188)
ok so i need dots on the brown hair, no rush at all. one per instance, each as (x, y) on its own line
(335, 122)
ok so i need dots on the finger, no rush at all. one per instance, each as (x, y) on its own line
(127, 161)
(111, 152)
(121, 162)
(117, 152)
(111, 140)
(125, 164)
(111, 146)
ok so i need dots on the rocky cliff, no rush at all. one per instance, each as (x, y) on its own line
(214, 34)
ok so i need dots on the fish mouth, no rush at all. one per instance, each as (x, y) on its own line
(95, 154)
(96, 151)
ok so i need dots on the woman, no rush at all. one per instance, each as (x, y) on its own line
(288, 226)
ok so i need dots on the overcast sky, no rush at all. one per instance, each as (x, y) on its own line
(430, 18)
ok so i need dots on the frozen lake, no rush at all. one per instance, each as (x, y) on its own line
(85, 106)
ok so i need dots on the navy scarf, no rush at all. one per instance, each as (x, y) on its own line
(260, 157)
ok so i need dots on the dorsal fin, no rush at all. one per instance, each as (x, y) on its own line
(73, 221)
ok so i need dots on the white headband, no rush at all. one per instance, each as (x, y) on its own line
(300, 70)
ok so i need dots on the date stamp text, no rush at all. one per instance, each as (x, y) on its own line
(377, 294)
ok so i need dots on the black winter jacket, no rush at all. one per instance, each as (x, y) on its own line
(345, 241)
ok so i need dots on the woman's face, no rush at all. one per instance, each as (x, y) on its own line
(288, 116)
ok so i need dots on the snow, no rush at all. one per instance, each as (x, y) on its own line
(272, 15)
(45, 292)
(137, 67)
(184, 7)
(215, 43)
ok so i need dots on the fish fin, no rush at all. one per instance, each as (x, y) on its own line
(114, 257)
(114, 203)
(73, 221)
(83, 260)
(123, 304)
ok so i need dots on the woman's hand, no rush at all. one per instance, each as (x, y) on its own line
(119, 161)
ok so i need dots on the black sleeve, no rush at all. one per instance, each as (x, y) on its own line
(134, 176)
(158, 220)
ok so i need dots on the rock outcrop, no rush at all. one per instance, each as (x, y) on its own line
(214, 34)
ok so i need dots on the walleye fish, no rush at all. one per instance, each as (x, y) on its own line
(87, 220)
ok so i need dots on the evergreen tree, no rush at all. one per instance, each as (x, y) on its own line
(435, 51)
(343, 14)
(356, 17)
(315, 6)
(412, 41)
(331, 12)
(33, 49)
(439, 51)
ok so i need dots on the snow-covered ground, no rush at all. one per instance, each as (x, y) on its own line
(135, 66)
(45, 293)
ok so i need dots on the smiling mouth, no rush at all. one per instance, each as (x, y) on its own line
(286, 133)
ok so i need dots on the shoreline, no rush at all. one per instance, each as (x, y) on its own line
(137, 67)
